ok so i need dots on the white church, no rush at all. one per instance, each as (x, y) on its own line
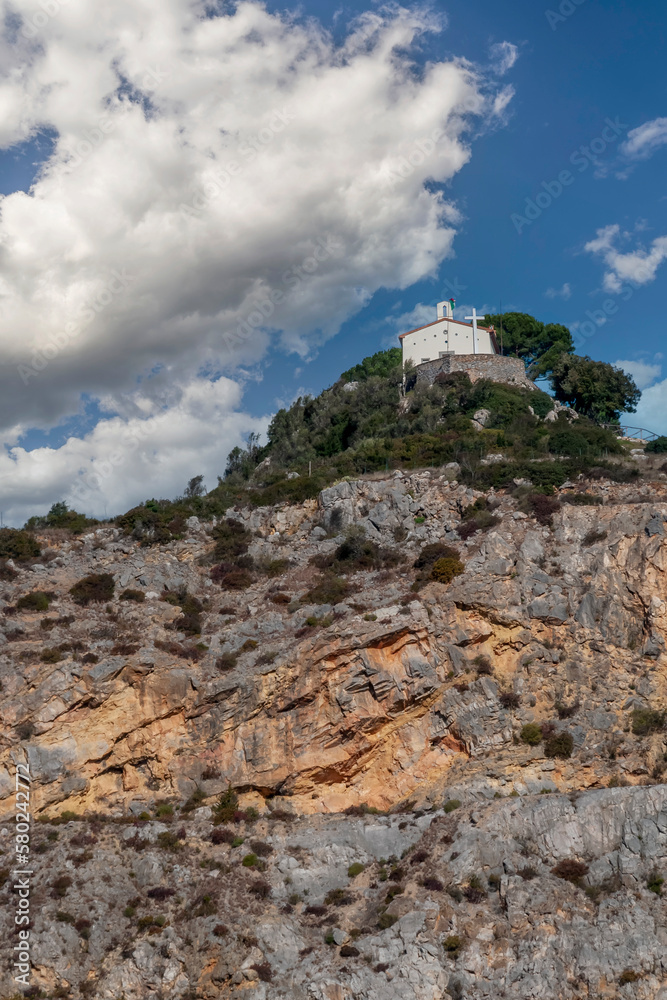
(445, 336)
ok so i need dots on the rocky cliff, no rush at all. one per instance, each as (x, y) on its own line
(453, 741)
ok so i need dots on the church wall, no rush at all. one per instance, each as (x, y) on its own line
(488, 366)
(441, 337)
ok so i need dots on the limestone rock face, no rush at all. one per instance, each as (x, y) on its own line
(326, 708)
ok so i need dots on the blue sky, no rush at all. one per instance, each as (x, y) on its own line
(604, 61)
(151, 388)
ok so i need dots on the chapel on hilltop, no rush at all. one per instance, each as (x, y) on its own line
(446, 335)
(451, 345)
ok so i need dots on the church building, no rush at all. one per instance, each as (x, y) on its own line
(447, 336)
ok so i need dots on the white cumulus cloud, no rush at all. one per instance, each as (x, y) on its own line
(636, 266)
(151, 449)
(503, 55)
(651, 409)
(643, 141)
(220, 178)
(564, 292)
(642, 372)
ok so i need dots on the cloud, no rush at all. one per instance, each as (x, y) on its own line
(419, 316)
(643, 141)
(216, 182)
(651, 411)
(637, 266)
(642, 372)
(559, 293)
(150, 450)
(504, 55)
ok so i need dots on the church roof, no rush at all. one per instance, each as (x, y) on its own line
(443, 319)
(458, 322)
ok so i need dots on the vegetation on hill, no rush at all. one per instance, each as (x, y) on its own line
(659, 446)
(378, 426)
(386, 421)
(594, 388)
(539, 345)
(60, 516)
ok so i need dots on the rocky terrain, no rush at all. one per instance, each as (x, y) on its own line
(215, 740)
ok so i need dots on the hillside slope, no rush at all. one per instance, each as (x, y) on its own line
(310, 657)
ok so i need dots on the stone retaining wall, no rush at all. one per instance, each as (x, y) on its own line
(489, 366)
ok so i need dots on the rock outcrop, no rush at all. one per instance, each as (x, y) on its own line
(539, 669)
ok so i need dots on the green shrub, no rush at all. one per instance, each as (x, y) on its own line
(386, 920)
(276, 567)
(6, 571)
(451, 805)
(18, 545)
(531, 734)
(231, 578)
(232, 540)
(226, 807)
(137, 596)
(194, 801)
(657, 447)
(452, 945)
(355, 554)
(250, 860)
(438, 562)
(60, 516)
(226, 662)
(444, 570)
(560, 745)
(571, 871)
(37, 600)
(60, 886)
(51, 655)
(647, 720)
(25, 730)
(96, 588)
(593, 536)
(655, 882)
(541, 506)
(329, 589)
(169, 841)
(355, 869)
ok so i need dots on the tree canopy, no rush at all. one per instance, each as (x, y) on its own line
(539, 345)
(378, 364)
(594, 388)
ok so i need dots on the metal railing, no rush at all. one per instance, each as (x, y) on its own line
(632, 433)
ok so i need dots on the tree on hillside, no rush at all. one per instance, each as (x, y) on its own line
(539, 345)
(594, 388)
(380, 364)
(195, 487)
(242, 461)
